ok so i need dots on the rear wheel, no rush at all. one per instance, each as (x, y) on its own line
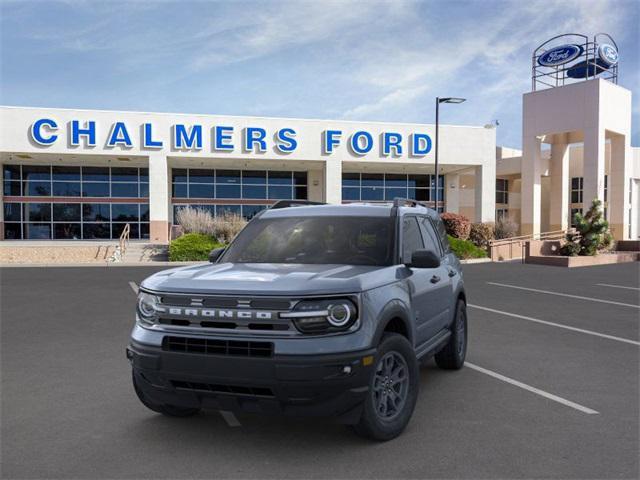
(393, 390)
(452, 356)
(169, 410)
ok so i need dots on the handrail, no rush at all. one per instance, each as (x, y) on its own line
(537, 236)
(123, 241)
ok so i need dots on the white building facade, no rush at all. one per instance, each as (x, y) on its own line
(85, 174)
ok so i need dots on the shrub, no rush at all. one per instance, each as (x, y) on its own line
(464, 249)
(505, 228)
(192, 247)
(223, 227)
(482, 233)
(591, 235)
(458, 226)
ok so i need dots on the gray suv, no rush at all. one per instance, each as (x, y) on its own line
(312, 310)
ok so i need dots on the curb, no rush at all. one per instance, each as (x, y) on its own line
(471, 261)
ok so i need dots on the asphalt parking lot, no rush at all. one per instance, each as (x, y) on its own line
(551, 389)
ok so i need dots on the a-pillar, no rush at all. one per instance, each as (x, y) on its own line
(618, 188)
(485, 192)
(531, 185)
(559, 201)
(593, 166)
(333, 181)
(158, 198)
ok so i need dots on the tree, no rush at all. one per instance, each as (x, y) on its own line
(592, 233)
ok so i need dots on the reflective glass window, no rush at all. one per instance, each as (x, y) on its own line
(280, 192)
(351, 179)
(280, 178)
(36, 172)
(11, 172)
(92, 189)
(37, 189)
(12, 212)
(200, 190)
(95, 174)
(124, 212)
(96, 212)
(227, 191)
(70, 231)
(66, 189)
(66, 212)
(66, 173)
(13, 231)
(228, 176)
(350, 193)
(96, 230)
(37, 231)
(122, 174)
(129, 190)
(254, 177)
(201, 176)
(37, 212)
(12, 188)
(254, 191)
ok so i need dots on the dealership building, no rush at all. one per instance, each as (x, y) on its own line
(85, 174)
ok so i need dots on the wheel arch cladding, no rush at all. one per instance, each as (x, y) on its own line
(394, 318)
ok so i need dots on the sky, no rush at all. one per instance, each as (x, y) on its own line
(343, 60)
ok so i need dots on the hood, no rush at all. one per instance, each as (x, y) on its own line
(270, 279)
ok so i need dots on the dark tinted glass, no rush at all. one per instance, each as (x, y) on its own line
(117, 228)
(12, 188)
(129, 190)
(351, 179)
(144, 212)
(12, 212)
(12, 231)
(36, 172)
(420, 181)
(121, 174)
(300, 193)
(254, 191)
(280, 178)
(96, 212)
(442, 232)
(227, 191)
(315, 240)
(300, 178)
(228, 210)
(95, 174)
(575, 197)
(280, 193)
(395, 180)
(201, 190)
(66, 173)
(37, 189)
(420, 194)
(37, 212)
(144, 174)
(201, 176)
(96, 230)
(37, 231)
(144, 230)
(95, 189)
(254, 177)
(179, 174)
(66, 189)
(369, 193)
(71, 231)
(350, 193)
(179, 190)
(228, 176)
(429, 236)
(11, 172)
(249, 211)
(372, 179)
(144, 189)
(411, 238)
(391, 193)
(66, 212)
(124, 212)
(575, 183)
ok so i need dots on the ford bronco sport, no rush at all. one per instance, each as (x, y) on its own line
(312, 310)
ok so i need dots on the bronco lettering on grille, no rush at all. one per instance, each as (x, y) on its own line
(217, 313)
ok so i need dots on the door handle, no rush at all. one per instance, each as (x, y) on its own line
(452, 273)
(435, 279)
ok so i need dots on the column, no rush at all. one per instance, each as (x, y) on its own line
(559, 204)
(452, 192)
(593, 166)
(531, 173)
(619, 186)
(485, 191)
(333, 181)
(159, 198)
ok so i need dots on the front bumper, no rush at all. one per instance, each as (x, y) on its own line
(311, 385)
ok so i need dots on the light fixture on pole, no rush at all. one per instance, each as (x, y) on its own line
(438, 102)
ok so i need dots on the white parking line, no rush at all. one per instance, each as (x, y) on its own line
(134, 287)
(552, 324)
(590, 299)
(537, 391)
(230, 418)
(616, 286)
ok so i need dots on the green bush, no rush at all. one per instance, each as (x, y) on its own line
(192, 247)
(465, 249)
(592, 233)
(481, 234)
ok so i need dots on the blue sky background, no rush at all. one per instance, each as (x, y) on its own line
(367, 60)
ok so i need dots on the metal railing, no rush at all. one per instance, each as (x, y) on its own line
(123, 241)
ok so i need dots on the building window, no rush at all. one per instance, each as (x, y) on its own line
(502, 213)
(573, 212)
(576, 189)
(380, 187)
(88, 210)
(606, 187)
(502, 190)
(222, 187)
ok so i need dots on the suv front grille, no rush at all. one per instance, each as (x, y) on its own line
(215, 388)
(208, 346)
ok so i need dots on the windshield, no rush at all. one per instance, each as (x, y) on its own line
(316, 240)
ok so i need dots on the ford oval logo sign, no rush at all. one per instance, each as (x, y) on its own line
(608, 54)
(560, 55)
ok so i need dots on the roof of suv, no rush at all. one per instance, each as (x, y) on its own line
(351, 209)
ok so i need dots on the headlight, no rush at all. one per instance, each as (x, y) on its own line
(147, 307)
(323, 316)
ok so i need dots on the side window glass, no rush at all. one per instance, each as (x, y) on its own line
(429, 235)
(411, 238)
(442, 232)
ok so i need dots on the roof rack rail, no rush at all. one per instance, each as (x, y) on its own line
(293, 203)
(402, 202)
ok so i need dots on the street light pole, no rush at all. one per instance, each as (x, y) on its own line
(438, 102)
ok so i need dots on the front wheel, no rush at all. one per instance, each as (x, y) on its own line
(452, 356)
(393, 390)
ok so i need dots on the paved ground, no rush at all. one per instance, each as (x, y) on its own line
(538, 400)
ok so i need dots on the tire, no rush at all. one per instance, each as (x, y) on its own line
(452, 356)
(168, 410)
(385, 415)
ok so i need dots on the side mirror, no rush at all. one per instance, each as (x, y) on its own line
(424, 259)
(215, 254)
